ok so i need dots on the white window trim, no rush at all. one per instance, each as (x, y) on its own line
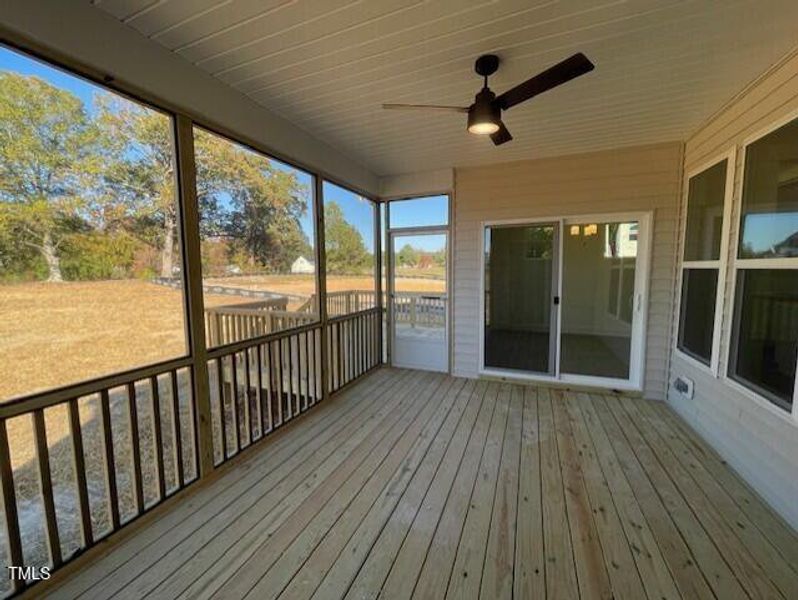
(720, 264)
(755, 263)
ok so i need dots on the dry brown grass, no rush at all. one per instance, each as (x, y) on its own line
(56, 334)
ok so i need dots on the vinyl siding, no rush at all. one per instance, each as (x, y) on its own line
(757, 439)
(638, 179)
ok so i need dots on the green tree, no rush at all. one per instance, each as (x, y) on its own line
(407, 256)
(48, 165)
(245, 198)
(346, 252)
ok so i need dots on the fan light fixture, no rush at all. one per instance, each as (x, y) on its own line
(484, 116)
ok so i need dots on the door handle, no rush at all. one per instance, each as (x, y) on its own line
(556, 300)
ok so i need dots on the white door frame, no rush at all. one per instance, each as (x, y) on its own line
(639, 320)
(391, 264)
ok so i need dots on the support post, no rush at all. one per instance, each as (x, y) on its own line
(192, 282)
(321, 279)
(378, 283)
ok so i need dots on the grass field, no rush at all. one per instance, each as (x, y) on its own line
(55, 334)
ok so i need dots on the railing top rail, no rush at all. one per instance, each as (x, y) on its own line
(353, 315)
(33, 402)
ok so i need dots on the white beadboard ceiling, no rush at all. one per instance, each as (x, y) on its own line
(662, 67)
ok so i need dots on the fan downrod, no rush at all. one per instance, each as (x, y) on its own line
(486, 65)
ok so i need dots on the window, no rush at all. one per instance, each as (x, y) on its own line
(90, 257)
(257, 233)
(701, 264)
(764, 341)
(349, 243)
(420, 212)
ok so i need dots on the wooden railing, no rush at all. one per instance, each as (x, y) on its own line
(88, 459)
(258, 385)
(353, 346)
(235, 322)
(420, 308)
(79, 463)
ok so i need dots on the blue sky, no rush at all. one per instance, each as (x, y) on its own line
(357, 210)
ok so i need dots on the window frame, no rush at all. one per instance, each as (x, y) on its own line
(737, 264)
(720, 264)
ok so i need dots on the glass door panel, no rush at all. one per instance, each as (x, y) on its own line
(419, 301)
(520, 286)
(598, 298)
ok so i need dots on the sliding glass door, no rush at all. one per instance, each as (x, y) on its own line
(564, 299)
(598, 296)
(520, 289)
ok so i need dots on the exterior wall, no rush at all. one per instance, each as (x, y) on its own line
(759, 440)
(639, 179)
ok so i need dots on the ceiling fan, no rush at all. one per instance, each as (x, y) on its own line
(484, 115)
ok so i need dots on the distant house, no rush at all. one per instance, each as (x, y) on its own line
(303, 265)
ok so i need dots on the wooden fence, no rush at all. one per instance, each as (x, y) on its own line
(131, 442)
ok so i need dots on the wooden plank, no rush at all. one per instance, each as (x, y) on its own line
(11, 516)
(135, 445)
(734, 550)
(757, 545)
(320, 545)
(237, 529)
(176, 430)
(773, 527)
(560, 570)
(402, 495)
(138, 553)
(109, 461)
(430, 528)
(529, 580)
(301, 532)
(157, 435)
(466, 574)
(704, 552)
(619, 563)
(405, 518)
(43, 458)
(591, 572)
(80, 472)
(497, 576)
(651, 565)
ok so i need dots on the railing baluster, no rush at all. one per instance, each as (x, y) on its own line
(110, 464)
(43, 456)
(80, 472)
(236, 421)
(158, 435)
(10, 503)
(248, 399)
(222, 406)
(307, 370)
(178, 433)
(133, 417)
(261, 390)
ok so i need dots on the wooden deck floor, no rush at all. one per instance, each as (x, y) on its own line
(420, 485)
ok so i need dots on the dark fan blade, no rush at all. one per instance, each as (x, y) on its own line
(460, 109)
(501, 136)
(560, 73)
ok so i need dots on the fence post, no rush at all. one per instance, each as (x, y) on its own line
(321, 280)
(192, 281)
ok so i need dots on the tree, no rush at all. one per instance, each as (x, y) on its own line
(407, 256)
(48, 165)
(346, 252)
(251, 202)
